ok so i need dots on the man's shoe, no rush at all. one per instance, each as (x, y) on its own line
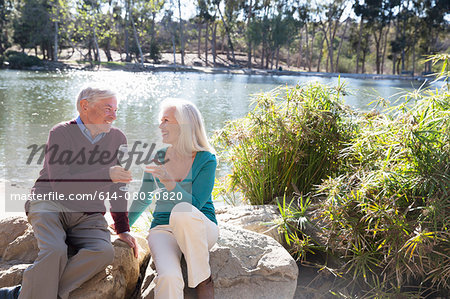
(10, 292)
(205, 289)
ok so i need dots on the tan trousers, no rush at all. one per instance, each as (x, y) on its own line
(53, 275)
(189, 233)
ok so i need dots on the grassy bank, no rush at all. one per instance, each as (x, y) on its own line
(375, 187)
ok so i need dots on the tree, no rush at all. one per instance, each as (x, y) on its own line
(303, 20)
(33, 27)
(180, 20)
(6, 8)
(329, 20)
(341, 42)
(433, 23)
(378, 14)
(230, 8)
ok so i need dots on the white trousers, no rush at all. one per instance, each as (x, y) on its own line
(189, 233)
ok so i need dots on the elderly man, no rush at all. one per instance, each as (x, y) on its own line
(81, 162)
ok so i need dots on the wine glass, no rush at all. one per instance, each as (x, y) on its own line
(157, 187)
(123, 150)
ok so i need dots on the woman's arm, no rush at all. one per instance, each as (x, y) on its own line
(145, 198)
(202, 184)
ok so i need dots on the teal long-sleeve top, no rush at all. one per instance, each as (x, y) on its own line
(195, 189)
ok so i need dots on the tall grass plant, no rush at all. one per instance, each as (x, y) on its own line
(387, 214)
(375, 186)
(289, 142)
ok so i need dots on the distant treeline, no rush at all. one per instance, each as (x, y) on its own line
(375, 36)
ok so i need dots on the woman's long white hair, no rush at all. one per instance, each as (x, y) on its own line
(192, 129)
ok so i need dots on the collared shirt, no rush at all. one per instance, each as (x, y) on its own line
(87, 133)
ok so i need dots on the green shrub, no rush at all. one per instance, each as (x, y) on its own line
(19, 60)
(155, 53)
(289, 142)
(378, 217)
(387, 215)
(346, 65)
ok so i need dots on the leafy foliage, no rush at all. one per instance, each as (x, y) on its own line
(289, 142)
(380, 219)
(18, 60)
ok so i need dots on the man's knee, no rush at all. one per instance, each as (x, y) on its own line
(104, 254)
(54, 250)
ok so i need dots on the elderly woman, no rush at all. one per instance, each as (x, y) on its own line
(181, 182)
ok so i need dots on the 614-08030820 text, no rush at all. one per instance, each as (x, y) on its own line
(107, 196)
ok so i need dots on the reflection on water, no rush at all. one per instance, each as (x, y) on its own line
(32, 100)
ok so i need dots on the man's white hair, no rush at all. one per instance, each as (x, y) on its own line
(93, 94)
(192, 129)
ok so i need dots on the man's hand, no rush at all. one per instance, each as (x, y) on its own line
(118, 174)
(131, 241)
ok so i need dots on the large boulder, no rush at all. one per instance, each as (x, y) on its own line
(244, 264)
(263, 219)
(17, 241)
(18, 249)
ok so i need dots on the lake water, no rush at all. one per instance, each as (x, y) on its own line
(32, 102)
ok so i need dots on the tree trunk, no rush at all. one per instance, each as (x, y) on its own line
(230, 43)
(206, 44)
(199, 26)
(363, 68)
(413, 57)
(127, 42)
(394, 58)
(214, 38)
(313, 37)
(403, 44)
(107, 50)
(249, 55)
(300, 52)
(89, 54)
(174, 46)
(288, 55)
(96, 45)
(50, 51)
(152, 30)
(340, 44)
(249, 41)
(278, 57)
(262, 52)
(55, 48)
(377, 50)
(137, 40)
(181, 33)
(358, 47)
(43, 51)
(330, 50)
(307, 43)
(385, 46)
(320, 55)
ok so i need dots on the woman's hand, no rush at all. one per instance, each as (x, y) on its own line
(161, 173)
